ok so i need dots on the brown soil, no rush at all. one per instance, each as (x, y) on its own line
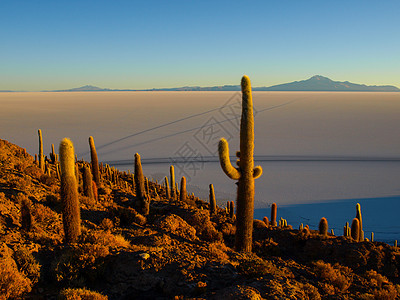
(178, 251)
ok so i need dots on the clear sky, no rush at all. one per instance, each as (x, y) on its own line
(49, 44)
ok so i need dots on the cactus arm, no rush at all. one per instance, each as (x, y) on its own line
(223, 150)
(257, 172)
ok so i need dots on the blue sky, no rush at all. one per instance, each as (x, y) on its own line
(145, 44)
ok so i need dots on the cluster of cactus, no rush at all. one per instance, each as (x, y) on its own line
(355, 231)
(245, 173)
(283, 223)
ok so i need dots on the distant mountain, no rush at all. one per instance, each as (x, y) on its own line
(86, 88)
(321, 83)
(315, 83)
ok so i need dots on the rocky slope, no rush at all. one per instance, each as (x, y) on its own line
(178, 251)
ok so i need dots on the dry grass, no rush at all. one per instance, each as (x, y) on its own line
(336, 278)
(13, 283)
(80, 294)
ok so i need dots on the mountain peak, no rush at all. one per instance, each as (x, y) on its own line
(319, 77)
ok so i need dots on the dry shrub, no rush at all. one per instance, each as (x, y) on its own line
(254, 266)
(46, 218)
(336, 278)
(86, 200)
(27, 264)
(375, 279)
(33, 171)
(200, 220)
(105, 238)
(218, 251)
(387, 293)
(384, 288)
(176, 225)
(13, 283)
(48, 180)
(128, 215)
(107, 224)
(79, 263)
(80, 294)
(228, 229)
(311, 292)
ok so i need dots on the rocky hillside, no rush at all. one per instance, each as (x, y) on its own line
(178, 251)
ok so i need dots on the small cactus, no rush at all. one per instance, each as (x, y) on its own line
(53, 155)
(87, 183)
(95, 161)
(143, 202)
(372, 236)
(41, 155)
(266, 221)
(167, 191)
(323, 226)
(69, 192)
(183, 193)
(355, 230)
(26, 213)
(232, 210)
(213, 203)
(274, 210)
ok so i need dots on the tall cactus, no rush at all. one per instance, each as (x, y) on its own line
(245, 173)
(355, 229)
(69, 192)
(213, 202)
(172, 177)
(41, 155)
(274, 211)
(95, 161)
(183, 193)
(359, 217)
(143, 203)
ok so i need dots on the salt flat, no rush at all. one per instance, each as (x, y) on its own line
(358, 129)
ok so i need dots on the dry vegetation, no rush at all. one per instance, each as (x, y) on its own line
(177, 251)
